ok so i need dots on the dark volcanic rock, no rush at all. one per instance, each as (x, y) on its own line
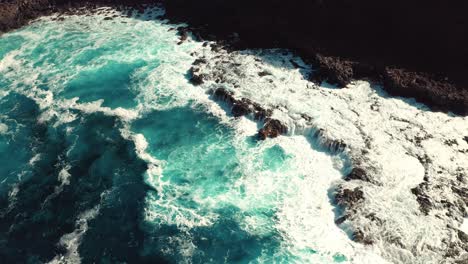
(462, 192)
(16, 13)
(360, 237)
(194, 77)
(341, 220)
(333, 70)
(263, 73)
(332, 145)
(243, 106)
(357, 174)
(463, 237)
(436, 93)
(272, 128)
(183, 32)
(240, 109)
(224, 95)
(348, 197)
(425, 204)
(401, 34)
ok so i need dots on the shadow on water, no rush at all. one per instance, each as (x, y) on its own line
(103, 171)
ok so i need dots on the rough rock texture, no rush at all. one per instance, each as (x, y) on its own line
(239, 107)
(243, 107)
(348, 40)
(272, 128)
(437, 93)
(358, 174)
(398, 43)
(414, 159)
(404, 187)
(16, 13)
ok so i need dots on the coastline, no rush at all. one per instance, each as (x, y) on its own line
(363, 175)
(338, 58)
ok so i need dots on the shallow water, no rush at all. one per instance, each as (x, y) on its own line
(108, 155)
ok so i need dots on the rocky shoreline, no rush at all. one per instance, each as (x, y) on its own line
(416, 49)
(424, 69)
(405, 180)
(436, 198)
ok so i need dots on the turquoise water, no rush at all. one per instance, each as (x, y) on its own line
(109, 155)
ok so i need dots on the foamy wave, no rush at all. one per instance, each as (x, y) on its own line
(399, 143)
(72, 240)
(388, 137)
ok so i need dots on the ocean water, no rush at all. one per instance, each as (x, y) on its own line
(110, 155)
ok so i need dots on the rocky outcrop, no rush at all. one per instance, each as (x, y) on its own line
(272, 128)
(333, 70)
(397, 43)
(243, 107)
(195, 77)
(16, 13)
(436, 93)
(349, 198)
(358, 174)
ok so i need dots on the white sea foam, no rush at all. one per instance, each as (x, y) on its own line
(385, 135)
(64, 175)
(3, 128)
(34, 159)
(72, 240)
(464, 226)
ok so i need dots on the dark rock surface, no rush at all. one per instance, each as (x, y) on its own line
(334, 146)
(417, 49)
(272, 128)
(357, 174)
(425, 41)
(436, 93)
(243, 107)
(16, 13)
(360, 237)
(348, 197)
(194, 77)
(425, 204)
